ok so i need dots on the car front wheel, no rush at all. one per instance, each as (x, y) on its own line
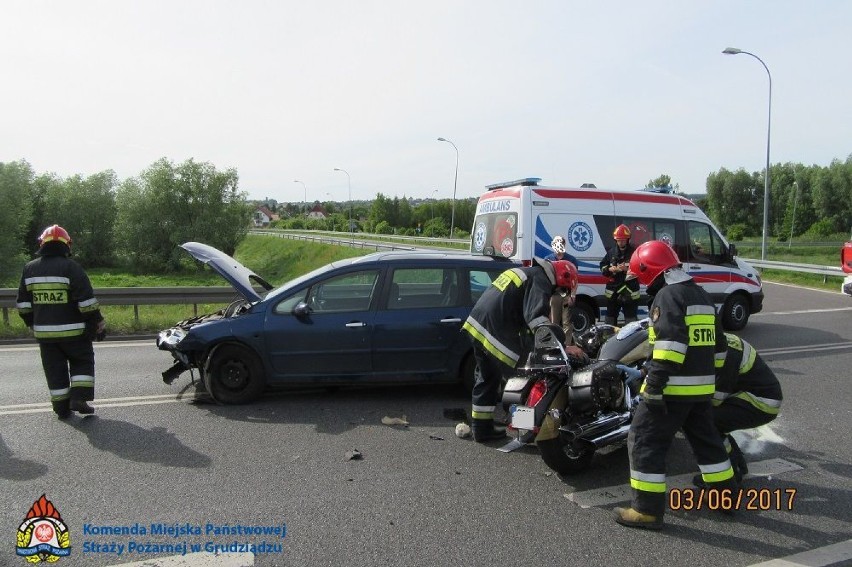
(236, 375)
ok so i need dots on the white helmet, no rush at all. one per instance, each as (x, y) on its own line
(558, 244)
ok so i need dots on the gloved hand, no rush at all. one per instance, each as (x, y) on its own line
(633, 374)
(654, 398)
(100, 334)
(577, 356)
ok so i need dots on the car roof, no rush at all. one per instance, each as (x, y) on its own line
(399, 256)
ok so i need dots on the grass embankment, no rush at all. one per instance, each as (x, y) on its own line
(275, 259)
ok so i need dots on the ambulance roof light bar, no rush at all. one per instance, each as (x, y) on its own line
(526, 181)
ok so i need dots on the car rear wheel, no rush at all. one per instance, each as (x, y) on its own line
(468, 373)
(236, 375)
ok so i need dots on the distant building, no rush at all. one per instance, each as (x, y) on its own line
(263, 216)
(317, 212)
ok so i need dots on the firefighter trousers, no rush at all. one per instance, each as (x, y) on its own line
(734, 414)
(651, 434)
(486, 388)
(69, 367)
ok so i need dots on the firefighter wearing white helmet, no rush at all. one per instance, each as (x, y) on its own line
(621, 292)
(687, 346)
(502, 325)
(56, 300)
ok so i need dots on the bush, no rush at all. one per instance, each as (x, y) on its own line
(736, 232)
(821, 229)
(384, 228)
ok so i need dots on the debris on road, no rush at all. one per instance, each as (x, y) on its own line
(403, 421)
(354, 455)
(462, 431)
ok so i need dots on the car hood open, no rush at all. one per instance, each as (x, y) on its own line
(237, 275)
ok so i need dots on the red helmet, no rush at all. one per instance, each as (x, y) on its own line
(566, 274)
(651, 259)
(54, 232)
(621, 232)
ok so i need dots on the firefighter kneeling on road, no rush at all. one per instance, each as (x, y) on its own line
(56, 300)
(687, 341)
(502, 325)
(748, 395)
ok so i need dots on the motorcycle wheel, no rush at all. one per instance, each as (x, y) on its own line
(564, 458)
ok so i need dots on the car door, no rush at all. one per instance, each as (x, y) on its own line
(419, 319)
(334, 339)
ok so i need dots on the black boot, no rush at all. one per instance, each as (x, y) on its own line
(484, 430)
(737, 458)
(61, 409)
(80, 406)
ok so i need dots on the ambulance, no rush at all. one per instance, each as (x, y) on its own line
(519, 219)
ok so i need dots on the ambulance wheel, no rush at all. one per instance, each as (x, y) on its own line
(236, 375)
(735, 312)
(582, 317)
(565, 458)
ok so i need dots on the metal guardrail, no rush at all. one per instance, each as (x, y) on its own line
(137, 296)
(824, 271)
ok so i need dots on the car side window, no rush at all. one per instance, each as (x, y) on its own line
(422, 288)
(347, 292)
(705, 246)
(479, 281)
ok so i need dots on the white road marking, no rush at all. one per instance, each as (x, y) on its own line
(819, 557)
(106, 403)
(796, 286)
(801, 311)
(622, 493)
(200, 559)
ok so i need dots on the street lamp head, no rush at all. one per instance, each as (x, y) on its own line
(443, 140)
(732, 51)
(337, 169)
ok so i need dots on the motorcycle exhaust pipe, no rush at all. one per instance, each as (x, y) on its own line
(614, 436)
(595, 427)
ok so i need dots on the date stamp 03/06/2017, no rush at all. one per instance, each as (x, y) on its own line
(751, 499)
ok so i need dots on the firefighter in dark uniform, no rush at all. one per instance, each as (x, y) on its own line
(620, 291)
(56, 300)
(501, 326)
(748, 395)
(687, 344)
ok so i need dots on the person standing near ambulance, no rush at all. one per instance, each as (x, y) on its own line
(562, 299)
(56, 300)
(620, 291)
(687, 345)
(846, 266)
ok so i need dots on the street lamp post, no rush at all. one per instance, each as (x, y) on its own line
(349, 182)
(432, 226)
(735, 51)
(793, 222)
(306, 195)
(455, 183)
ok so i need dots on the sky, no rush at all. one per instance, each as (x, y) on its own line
(614, 93)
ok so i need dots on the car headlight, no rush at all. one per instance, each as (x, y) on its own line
(170, 337)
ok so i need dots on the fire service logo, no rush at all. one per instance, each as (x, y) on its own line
(42, 536)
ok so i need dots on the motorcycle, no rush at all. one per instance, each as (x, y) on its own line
(571, 408)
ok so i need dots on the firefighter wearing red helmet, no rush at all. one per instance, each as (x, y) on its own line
(621, 292)
(501, 326)
(56, 300)
(687, 345)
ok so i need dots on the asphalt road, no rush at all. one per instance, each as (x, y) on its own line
(153, 454)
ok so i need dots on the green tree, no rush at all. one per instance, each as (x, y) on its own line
(171, 204)
(732, 198)
(86, 208)
(16, 180)
(663, 181)
(832, 192)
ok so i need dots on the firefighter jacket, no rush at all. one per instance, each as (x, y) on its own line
(515, 304)
(56, 299)
(617, 282)
(687, 341)
(746, 376)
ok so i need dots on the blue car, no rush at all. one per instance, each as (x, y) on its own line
(384, 318)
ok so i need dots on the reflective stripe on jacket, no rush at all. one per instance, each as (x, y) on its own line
(517, 302)
(687, 342)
